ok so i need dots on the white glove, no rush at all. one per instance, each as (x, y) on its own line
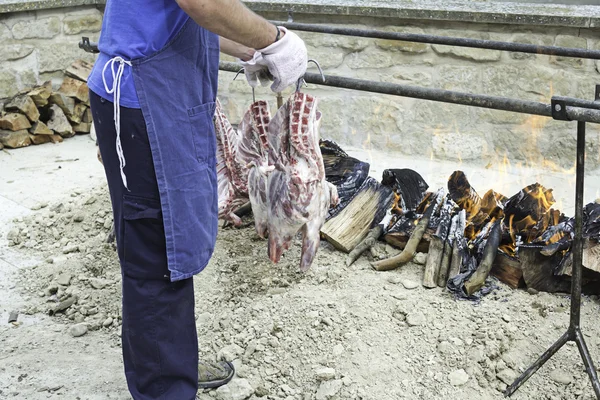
(286, 60)
(256, 71)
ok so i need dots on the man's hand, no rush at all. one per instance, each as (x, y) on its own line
(285, 60)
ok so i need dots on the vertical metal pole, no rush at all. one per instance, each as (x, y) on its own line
(574, 331)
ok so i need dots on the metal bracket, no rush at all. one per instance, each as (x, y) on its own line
(290, 17)
(597, 96)
(559, 109)
(88, 46)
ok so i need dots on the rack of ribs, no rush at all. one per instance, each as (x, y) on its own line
(298, 196)
(232, 174)
(253, 153)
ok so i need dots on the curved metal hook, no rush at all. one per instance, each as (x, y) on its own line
(253, 95)
(238, 73)
(301, 80)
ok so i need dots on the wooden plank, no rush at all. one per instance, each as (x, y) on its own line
(508, 270)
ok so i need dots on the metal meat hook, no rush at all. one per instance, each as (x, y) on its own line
(253, 95)
(301, 80)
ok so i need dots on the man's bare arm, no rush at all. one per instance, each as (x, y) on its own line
(232, 20)
(234, 49)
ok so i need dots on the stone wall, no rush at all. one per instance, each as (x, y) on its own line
(39, 45)
(439, 130)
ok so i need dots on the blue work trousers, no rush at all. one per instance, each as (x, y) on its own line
(159, 338)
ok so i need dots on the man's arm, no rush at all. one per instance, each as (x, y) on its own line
(237, 50)
(232, 20)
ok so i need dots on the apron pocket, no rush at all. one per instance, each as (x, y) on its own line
(144, 246)
(203, 131)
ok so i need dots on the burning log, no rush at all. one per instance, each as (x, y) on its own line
(477, 280)
(538, 270)
(508, 270)
(346, 229)
(463, 194)
(411, 246)
(459, 243)
(409, 187)
(434, 266)
(448, 248)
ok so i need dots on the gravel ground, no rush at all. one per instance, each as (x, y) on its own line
(335, 332)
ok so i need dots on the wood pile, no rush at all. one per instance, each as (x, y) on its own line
(522, 240)
(47, 114)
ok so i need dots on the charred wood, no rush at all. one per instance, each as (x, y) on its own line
(477, 280)
(409, 187)
(411, 246)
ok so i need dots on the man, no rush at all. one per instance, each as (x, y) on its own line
(152, 95)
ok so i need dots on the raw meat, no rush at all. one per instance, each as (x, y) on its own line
(253, 152)
(298, 195)
(232, 175)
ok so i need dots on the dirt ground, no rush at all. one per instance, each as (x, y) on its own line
(335, 332)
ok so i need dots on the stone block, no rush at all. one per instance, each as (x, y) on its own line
(40, 94)
(11, 52)
(75, 88)
(59, 56)
(5, 33)
(537, 84)
(14, 122)
(398, 45)
(352, 44)
(458, 145)
(371, 57)
(327, 57)
(540, 40)
(572, 42)
(459, 78)
(25, 105)
(45, 28)
(14, 140)
(479, 55)
(59, 122)
(8, 82)
(76, 24)
(40, 139)
(40, 128)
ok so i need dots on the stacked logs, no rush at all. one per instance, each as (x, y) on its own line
(42, 114)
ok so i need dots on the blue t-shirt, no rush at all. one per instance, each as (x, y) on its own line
(133, 29)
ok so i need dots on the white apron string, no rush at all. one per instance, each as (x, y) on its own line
(116, 91)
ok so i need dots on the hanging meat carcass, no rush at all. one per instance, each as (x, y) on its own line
(232, 174)
(298, 195)
(253, 153)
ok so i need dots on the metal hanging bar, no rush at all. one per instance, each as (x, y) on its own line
(444, 40)
(445, 96)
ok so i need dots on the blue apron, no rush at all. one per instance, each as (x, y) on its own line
(177, 88)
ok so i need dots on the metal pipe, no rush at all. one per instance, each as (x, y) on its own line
(446, 96)
(444, 40)
(578, 240)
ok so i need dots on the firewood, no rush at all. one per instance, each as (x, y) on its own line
(76, 89)
(352, 224)
(78, 112)
(408, 184)
(458, 244)
(463, 194)
(82, 127)
(591, 258)
(40, 128)
(66, 104)
(445, 262)
(368, 242)
(14, 122)
(508, 270)
(477, 280)
(80, 70)
(431, 276)
(25, 105)
(14, 139)
(411, 247)
(40, 94)
(59, 123)
(538, 270)
(400, 239)
(40, 139)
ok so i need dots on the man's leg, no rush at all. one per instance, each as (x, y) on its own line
(160, 346)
